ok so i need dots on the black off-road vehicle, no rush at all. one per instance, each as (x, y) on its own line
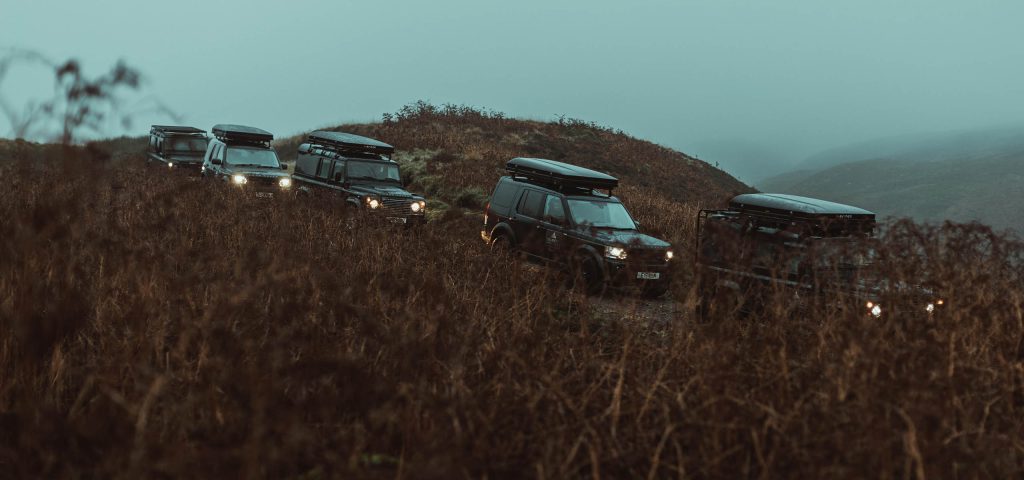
(178, 148)
(815, 252)
(555, 213)
(242, 157)
(358, 171)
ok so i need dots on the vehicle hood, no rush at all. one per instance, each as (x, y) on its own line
(260, 172)
(382, 190)
(628, 238)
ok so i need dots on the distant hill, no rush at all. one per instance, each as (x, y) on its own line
(963, 176)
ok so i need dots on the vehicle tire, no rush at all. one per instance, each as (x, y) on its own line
(501, 244)
(719, 302)
(586, 275)
(703, 308)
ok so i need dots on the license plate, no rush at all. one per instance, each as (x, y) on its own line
(264, 194)
(397, 220)
(648, 275)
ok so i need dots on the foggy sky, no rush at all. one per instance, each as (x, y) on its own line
(727, 81)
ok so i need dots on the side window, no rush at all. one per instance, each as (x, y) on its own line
(503, 195)
(554, 210)
(325, 168)
(530, 203)
(338, 174)
(152, 143)
(218, 152)
(159, 144)
(306, 165)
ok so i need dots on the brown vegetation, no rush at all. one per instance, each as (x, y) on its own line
(155, 326)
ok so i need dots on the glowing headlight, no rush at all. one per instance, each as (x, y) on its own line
(239, 179)
(874, 308)
(415, 206)
(615, 252)
(285, 182)
(170, 164)
(373, 203)
(668, 255)
(929, 308)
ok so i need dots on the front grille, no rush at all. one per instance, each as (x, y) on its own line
(263, 181)
(396, 207)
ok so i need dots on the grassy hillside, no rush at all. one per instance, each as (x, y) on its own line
(160, 327)
(456, 154)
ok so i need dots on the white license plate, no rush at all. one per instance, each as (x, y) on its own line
(264, 194)
(648, 275)
(397, 220)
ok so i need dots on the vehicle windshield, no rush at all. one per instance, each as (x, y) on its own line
(194, 145)
(598, 214)
(375, 171)
(252, 157)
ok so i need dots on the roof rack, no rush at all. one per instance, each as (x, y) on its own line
(819, 217)
(177, 130)
(559, 175)
(350, 144)
(242, 134)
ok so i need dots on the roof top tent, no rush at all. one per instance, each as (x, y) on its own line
(350, 144)
(823, 218)
(242, 134)
(176, 130)
(560, 176)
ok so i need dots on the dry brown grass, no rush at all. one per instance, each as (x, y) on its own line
(156, 327)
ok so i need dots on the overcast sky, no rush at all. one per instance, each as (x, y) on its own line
(727, 81)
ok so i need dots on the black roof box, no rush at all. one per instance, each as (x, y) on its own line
(176, 129)
(826, 218)
(559, 175)
(347, 143)
(240, 133)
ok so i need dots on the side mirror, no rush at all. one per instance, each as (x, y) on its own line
(216, 161)
(637, 223)
(284, 166)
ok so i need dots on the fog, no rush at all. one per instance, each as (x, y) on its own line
(752, 86)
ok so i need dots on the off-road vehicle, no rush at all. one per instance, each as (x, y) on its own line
(242, 158)
(556, 213)
(360, 173)
(178, 148)
(818, 253)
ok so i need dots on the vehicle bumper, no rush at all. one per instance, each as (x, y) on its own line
(632, 275)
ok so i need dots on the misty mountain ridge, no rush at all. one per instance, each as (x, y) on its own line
(964, 176)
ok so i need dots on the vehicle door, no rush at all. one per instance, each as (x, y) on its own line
(323, 174)
(554, 223)
(336, 179)
(526, 223)
(215, 162)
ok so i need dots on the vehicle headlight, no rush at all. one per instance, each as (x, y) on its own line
(239, 179)
(874, 308)
(668, 255)
(930, 307)
(170, 164)
(615, 252)
(373, 203)
(415, 206)
(285, 182)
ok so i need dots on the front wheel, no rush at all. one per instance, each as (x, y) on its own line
(586, 276)
(501, 245)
